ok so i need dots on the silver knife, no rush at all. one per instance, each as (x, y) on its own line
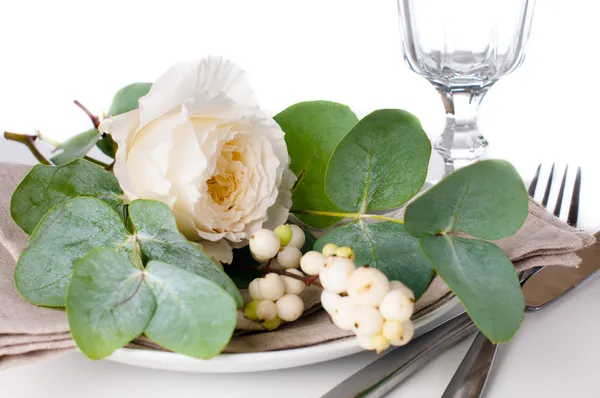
(384, 374)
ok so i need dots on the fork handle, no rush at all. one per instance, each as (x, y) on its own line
(470, 378)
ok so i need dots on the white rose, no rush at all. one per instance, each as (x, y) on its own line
(200, 144)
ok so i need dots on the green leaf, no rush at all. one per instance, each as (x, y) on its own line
(484, 280)
(108, 146)
(159, 239)
(312, 131)
(76, 147)
(46, 186)
(193, 316)
(69, 231)
(380, 164)
(486, 200)
(386, 246)
(108, 303)
(126, 99)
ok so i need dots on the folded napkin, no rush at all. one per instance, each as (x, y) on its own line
(29, 333)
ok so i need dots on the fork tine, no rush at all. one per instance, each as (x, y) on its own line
(547, 192)
(561, 193)
(533, 185)
(574, 208)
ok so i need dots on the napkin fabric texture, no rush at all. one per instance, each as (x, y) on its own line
(29, 333)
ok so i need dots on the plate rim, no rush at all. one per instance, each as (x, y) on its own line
(260, 361)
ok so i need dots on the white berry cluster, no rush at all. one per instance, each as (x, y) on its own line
(362, 299)
(275, 297)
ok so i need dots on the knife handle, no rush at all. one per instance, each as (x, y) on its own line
(470, 378)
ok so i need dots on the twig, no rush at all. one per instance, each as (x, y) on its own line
(95, 119)
(29, 142)
(97, 162)
(310, 280)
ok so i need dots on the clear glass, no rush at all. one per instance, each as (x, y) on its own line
(463, 47)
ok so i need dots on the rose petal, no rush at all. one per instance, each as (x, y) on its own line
(196, 83)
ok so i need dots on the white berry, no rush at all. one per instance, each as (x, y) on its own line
(367, 321)
(396, 306)
(345, 251)
(289, 257)
(407, 335)
(312, 263)
(392, 330)
(335, 274)
(368, 286)
(293, 285)
(254, 289)
(298, 237)
(397, 285)
(271, 287)
(365, 342)
(290, 307)
(329, 301)
(266, 310)
(380, 343)
(343, 313)
(284, 233)
(329, 249)
(264, 245)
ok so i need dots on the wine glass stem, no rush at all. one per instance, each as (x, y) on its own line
(461, 139)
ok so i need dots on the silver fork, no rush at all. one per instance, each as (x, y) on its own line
(470, 379)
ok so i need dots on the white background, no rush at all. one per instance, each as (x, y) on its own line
(53, 52)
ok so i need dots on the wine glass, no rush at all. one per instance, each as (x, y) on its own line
(463, 47)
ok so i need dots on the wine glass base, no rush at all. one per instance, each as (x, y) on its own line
(469, 149)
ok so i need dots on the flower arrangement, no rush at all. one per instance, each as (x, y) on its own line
(207, 189)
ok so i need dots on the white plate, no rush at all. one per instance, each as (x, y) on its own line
(254, 362)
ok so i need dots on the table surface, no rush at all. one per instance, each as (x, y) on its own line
(347, 51)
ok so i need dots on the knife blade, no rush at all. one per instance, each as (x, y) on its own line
(552, 282)
(384, 374)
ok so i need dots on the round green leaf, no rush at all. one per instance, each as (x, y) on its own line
(126, 99)
(69, 231)
(194, 316)
(108, 146)
(484, 280)
(76, 147)
(159, 239)
(108, 303)
(380, 164)
(486, 200)
(386, 246)
(46, 186)
(312, 131)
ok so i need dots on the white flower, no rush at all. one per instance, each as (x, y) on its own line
(200, 144)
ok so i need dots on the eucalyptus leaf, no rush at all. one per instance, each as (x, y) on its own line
(108, 303)
(126, 99)
(484, 280)
(159, 239)
(46, 186)
(380, 164)
(76, 147)
(69, 231)
(193, 315)
(108, 146)
(312, 131)
(486, 200)
(386, 246)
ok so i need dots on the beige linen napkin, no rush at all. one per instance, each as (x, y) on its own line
(29, 333)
